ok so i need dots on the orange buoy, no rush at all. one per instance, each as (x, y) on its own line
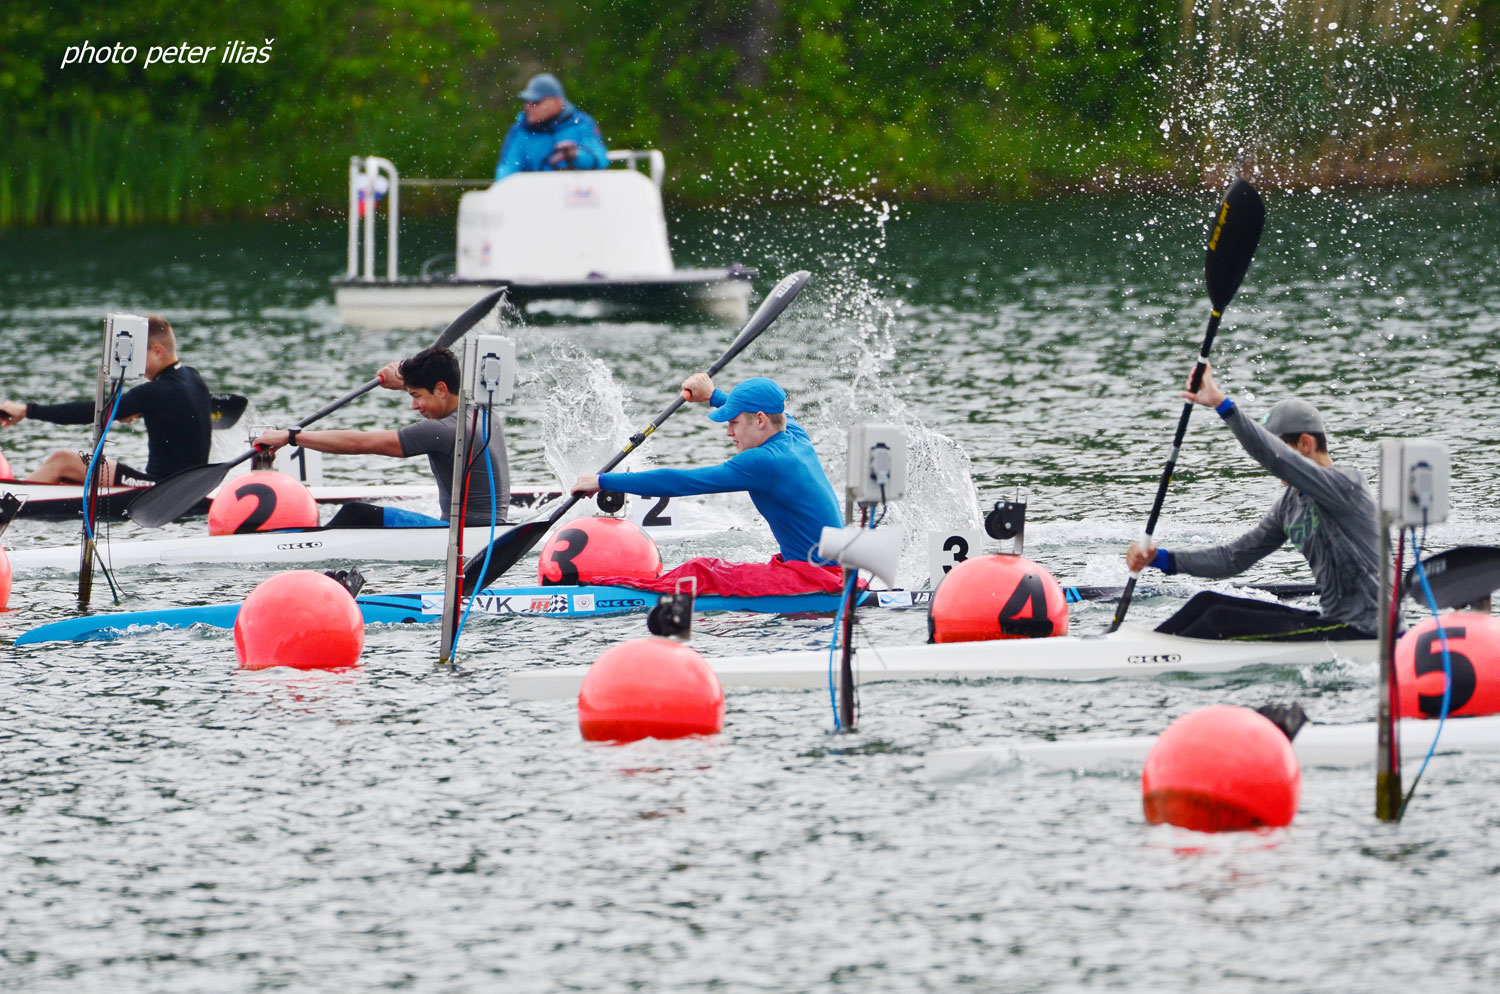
(1222, 769)
(5, 579)
(594, 547)
(997, 597)
(1474, 655)
(650, 688)
(263, 501)
(300, 619)
(5, 473)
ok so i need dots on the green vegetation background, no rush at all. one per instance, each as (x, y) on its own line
(761, 99)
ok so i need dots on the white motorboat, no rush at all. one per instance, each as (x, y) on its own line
(593, 236)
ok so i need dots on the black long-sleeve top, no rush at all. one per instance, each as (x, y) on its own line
(175, 406)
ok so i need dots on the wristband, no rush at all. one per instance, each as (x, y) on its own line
(1225, 408)
(1162, 560)
(291, 435)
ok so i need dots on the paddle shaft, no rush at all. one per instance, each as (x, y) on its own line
(1166, 474)
(171, 498)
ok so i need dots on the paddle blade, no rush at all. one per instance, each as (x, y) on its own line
(1458, 577)
(175, 496)
(226, 409)
(780, 297)
(470, 318)
(505, 552)
(1233, 235)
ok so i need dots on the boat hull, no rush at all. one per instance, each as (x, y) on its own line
(65, 500)
(404, 303)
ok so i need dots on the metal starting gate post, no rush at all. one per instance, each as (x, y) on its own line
(489, 376)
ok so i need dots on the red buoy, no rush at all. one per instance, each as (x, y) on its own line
(5, 579)
(5, 473)
(997, 597)
(650, 688)
(591, 547)
(300, 619)
(1222, 769)
(1473, 654)
(263, 501)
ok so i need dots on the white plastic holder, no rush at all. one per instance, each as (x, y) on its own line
(489, 369)
(1414, 481)
(877, 463)
(125, 344)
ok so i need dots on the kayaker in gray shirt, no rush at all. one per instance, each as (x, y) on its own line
(432, 379)
(1327, 512)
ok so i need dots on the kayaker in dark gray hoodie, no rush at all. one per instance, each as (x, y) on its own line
(1327, 512)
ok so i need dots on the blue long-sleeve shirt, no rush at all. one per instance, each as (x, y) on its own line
(527, 147)
(782, 475)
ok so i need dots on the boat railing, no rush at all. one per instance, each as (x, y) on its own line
(656, 162)
(371, 178)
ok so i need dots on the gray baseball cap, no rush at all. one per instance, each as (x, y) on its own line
(541, 86)
(1294, 417)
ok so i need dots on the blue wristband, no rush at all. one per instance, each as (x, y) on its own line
(1162, 560)
(1225, 408)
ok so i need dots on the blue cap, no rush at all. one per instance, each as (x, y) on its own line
(540, 87)
(755, 394)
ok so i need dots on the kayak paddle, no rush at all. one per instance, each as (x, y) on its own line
(174, 496)
(508, 549)
(226, 409)
(1236, 228)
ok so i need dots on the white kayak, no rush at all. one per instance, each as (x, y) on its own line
(1129, 652)
(1316, 745)
(306, 546)
(359, 545)
(65, 500)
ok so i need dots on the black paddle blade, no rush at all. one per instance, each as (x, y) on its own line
(505, 552)
(226, 409)
(1234, 233)
(1458, 577)
(470, 318)
(10, 506)
(175, 496)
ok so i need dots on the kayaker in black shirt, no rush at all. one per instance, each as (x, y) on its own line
(174, 402)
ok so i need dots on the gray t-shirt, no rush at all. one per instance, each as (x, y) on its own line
(435, 437)
(1327, 512)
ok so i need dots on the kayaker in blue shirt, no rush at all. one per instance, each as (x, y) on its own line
(775, 464)
(550, 134)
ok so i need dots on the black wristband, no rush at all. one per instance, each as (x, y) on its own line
(291, 435)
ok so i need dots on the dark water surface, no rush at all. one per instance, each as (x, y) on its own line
(172, 824)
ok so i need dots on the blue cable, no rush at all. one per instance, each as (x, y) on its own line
(88, 473)
(838, 620)
(1447, 665)
(489, 472)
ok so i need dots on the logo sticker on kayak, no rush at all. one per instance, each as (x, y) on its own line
(1156, 658)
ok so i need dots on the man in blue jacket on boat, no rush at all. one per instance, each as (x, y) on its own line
(550, 134)
(776, 465)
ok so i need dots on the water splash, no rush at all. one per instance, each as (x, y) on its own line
(583, 417)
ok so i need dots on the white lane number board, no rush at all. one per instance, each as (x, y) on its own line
(946, 549)
(658, 515)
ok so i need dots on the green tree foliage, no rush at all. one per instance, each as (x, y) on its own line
(753, 99)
